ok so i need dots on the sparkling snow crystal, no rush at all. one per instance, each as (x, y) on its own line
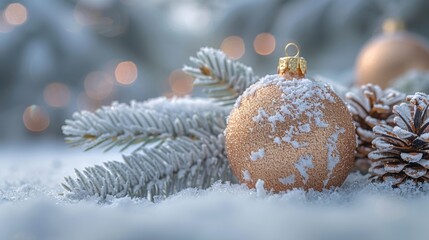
(260, 190)
(261, 114)
(257, 154)
(246, 175)
(333, 154)
(305, 162)
(288, 180)
(305, 128)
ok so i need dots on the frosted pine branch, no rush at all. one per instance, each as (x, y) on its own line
(189, 135)
(152, 121)
(176, 165)
(224, 80)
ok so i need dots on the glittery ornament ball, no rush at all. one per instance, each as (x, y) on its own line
(291, 134)
(389, 56)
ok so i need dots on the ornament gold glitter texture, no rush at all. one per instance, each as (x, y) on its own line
(390, 55)
(290, 131)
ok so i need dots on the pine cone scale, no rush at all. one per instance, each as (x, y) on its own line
(380, 155)
(378, 170)
(424, 163)
(386, 160)
(372, 122)
(415, 171)
(391, 167)
(381, 109)
(411, 157)
(394, 179)
(424, 126)
(389, 135)
(365, 135)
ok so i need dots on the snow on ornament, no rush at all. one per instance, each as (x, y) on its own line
(290, 132)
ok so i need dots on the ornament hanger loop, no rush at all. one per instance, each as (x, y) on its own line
(292, 45)
(292, 66)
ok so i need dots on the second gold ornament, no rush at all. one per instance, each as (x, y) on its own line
(390, 55)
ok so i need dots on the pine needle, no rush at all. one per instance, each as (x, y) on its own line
(126, 125)
(176, 165)
(222, 79)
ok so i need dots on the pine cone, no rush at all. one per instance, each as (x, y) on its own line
(402, 151)
(369, 107)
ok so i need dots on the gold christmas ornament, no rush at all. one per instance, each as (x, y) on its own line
(390, 55)
(290, 132)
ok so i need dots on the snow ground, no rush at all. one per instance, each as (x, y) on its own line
(32, 207)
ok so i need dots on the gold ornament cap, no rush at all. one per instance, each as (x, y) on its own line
(292, 66)
(392, 25)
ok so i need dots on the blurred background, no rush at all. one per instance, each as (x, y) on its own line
(62, 56)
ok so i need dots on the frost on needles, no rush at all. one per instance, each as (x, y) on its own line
(187, 148)
(223, 79)
(176, 144)
(141, 123)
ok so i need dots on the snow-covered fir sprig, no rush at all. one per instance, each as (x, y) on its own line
(142, 123)
(179, 143)
(187, 150)
(156, 172)
(223, 79)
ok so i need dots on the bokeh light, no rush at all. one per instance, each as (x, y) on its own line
(126, 72)
(56, 95)
(35, 118)
(98, 85)
(85, 16)
(180, 82)
(233, 46)
(264, 44)
(15, 14)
